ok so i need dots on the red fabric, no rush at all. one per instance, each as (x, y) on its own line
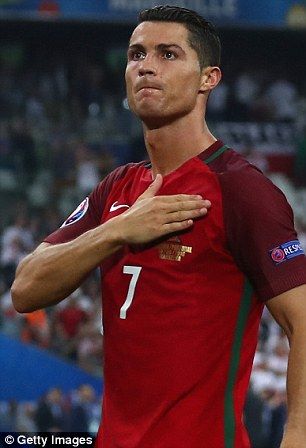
(257, 219)
(167, 363)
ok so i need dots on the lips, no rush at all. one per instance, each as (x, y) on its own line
(148, 86)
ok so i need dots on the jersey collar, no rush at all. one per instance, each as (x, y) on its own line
(211, 150)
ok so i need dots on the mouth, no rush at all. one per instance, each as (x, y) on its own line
(148, 87)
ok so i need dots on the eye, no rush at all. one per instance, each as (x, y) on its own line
(169, 55)
(135, 55)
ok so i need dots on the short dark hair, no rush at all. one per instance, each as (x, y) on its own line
(203, 36)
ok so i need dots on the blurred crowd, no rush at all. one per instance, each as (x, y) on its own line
(76, 411)
(61, 132)
(259, 95)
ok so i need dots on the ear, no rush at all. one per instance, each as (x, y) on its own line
(211, 76)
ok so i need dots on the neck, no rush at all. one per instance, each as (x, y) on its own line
(170, 145)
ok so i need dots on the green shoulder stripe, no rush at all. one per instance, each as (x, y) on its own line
(216, 154)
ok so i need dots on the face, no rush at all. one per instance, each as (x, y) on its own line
(163, 75)
(55, 395)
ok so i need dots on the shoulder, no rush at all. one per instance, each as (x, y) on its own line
(259, 225)
(246, 185)
(251, 200)
(233, 171)
(247, 181)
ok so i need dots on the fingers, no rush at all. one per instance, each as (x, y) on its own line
(174, 203)
(183, 203)
(154, 216)
(153, 188)
(177, 226)
(184, 215)
(179, 220)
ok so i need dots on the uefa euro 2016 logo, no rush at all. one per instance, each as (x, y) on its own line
(78, 213)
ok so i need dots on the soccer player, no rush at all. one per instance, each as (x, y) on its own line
(183, 283)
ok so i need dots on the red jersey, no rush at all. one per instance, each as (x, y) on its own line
(181, 314)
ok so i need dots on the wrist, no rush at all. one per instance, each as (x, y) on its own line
(115, 231)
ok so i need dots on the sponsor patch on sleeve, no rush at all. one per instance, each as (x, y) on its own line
(78, 213)
(286, 251)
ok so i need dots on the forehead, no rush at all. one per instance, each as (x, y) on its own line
(154, 33)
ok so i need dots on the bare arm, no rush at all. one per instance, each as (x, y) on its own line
(289, 310)
(52, 272)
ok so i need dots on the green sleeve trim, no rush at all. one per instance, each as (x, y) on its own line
(229, 415)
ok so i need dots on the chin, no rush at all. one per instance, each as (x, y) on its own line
(148, 112)
(154, 120)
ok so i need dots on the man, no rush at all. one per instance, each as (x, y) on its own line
(81, 412)
(50, 414)
(183, 287)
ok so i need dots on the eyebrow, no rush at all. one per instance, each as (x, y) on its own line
(158, 47)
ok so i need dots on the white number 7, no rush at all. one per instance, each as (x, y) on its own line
(134, 271)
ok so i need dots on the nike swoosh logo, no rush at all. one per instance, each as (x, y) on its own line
(115, 207)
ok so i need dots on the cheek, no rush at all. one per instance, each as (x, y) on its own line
(191, 83)
(127, 80)
(186, 88)
(128, 83)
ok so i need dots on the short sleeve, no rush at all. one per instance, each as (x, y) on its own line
(88, 214)
(260, 232)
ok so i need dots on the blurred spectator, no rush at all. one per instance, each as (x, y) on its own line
(8, 178)
(8, 416)
(90, 342)
(67, 322)
(12, 253)
(82, 410)
(254, 419)
(301, 229)
(300, 161)
(25, 418)
(217, 106)
(246, 91)
(282, 95)
(11, 322)
(23, 148)
(277, 361)
(262, 379)
(20, 230)
(76, 411)
(87, 170)
(62, 162)
(35, 110)
(278, 409)
(49, 7)
(50, 414)
(17, 240)
(36, 329)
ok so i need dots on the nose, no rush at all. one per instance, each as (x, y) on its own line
(147, 67)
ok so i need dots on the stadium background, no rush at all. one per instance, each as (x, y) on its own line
(64, 124)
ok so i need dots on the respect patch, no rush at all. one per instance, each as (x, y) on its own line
(286, 251)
